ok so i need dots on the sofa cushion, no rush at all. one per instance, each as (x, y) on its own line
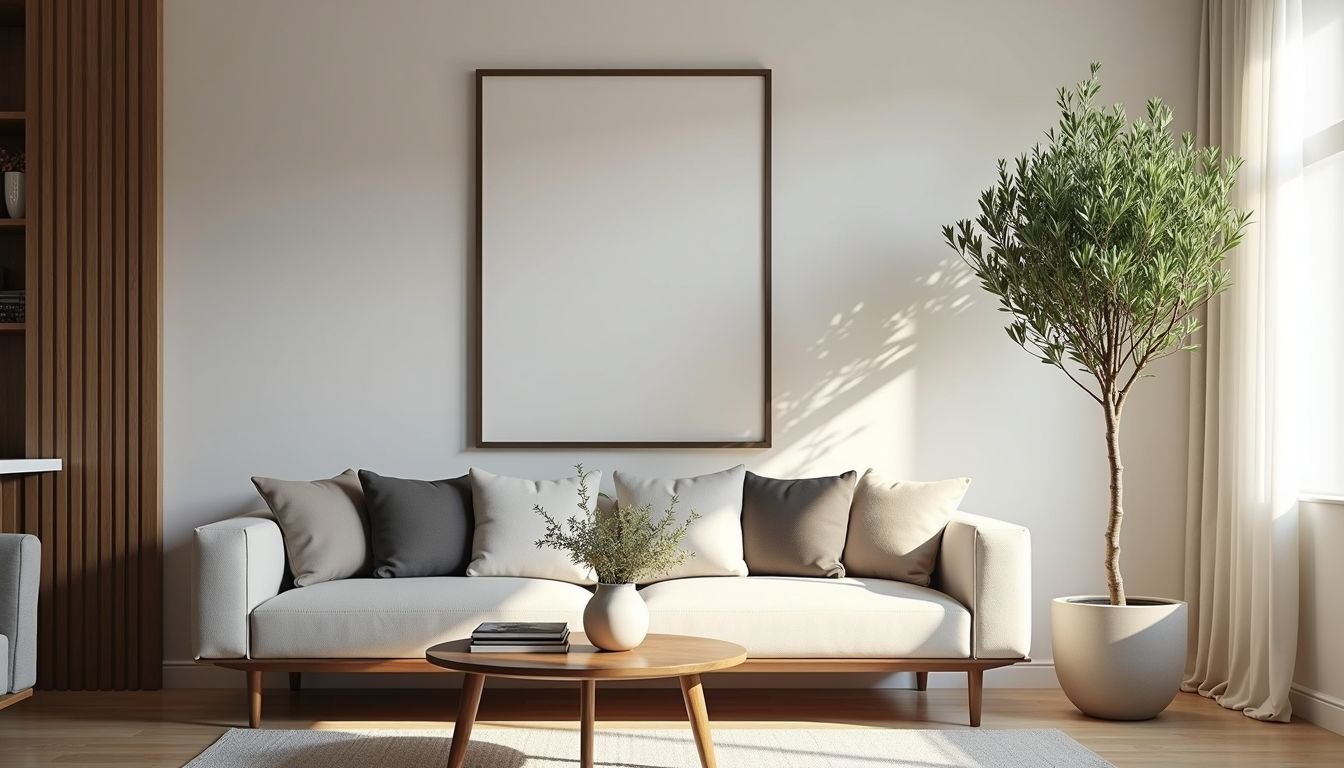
(324, 526)
(795, 617)
(715, 538)
(507, 528)
(796, 527)
(400, 618)
(4, 668)
(418, 527)
(896, 528)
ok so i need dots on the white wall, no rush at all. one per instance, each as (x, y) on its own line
(1318, 682)
(317, 214)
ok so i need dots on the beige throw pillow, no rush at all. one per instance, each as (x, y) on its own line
(323, 524)
(716, 537)
(507, 530)
(896, 528)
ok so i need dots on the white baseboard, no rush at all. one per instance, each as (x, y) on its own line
(1033, 674)
(1319, 708)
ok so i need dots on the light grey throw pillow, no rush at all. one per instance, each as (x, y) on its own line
(324, 526)
(507, 530)
(716, 537)
(796, 527)
(896, 528)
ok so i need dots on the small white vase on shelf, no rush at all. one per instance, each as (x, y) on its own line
(616, 618)
(14, 194)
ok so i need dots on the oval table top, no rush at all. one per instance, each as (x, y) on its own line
(658, 656)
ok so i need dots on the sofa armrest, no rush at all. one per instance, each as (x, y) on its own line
(240, 563)
(20, 571)
(985, 564)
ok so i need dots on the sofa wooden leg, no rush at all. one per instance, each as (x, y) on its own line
(975, 679)
(295, 682)
(10, 699)
(254, 698)
(921, 681)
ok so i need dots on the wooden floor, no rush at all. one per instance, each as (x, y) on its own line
(168, 728)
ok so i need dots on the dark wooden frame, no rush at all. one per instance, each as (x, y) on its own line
(974, 669)
(767, 342)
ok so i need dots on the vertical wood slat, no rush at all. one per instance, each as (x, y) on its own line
(43, 296)
(151, 346)
(11, 502)
(93, 364)
(134, 175)
(119, 311)
(62, 591)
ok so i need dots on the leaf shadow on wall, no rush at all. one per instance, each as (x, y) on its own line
(862, 349)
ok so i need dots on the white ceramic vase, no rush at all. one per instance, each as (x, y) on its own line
(1119, 662)
(616, 618)
(14, 194)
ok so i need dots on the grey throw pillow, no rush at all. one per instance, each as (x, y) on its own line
(896, 528)
(323, 525)
(418, 527)
(796, 527)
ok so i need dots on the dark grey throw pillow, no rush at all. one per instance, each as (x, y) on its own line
(418, 527)
(796, 527)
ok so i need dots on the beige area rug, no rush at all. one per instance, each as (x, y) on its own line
(555, 748)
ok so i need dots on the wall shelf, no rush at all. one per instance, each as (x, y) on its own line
(13, 223)
(26, 466)
(13, 327)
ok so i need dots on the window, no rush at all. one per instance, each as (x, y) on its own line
(1323, 189)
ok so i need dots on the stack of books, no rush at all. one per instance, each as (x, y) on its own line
(520, 637)
(11, 306)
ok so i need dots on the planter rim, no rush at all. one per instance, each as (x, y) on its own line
(616, 584)
(1078, 600)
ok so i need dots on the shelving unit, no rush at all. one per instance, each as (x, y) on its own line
(13, 239)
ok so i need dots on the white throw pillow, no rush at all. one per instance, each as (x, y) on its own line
(716, 537)
(507, 530)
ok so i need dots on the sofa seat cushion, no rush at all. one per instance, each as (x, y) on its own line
(799, 617)
(400, 618)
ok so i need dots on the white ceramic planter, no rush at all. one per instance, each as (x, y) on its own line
(1119, 662)
(616, 618)
(14, 194)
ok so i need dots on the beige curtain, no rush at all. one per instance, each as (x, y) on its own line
(1241, 535)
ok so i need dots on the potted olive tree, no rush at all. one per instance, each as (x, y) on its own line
(1102, 245)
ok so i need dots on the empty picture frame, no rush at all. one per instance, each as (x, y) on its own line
(623, 258)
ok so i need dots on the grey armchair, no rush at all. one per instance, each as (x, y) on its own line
(20, 566)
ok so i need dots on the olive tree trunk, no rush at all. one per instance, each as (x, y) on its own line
(1115, 585)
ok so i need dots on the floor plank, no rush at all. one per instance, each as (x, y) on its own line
(167, 728)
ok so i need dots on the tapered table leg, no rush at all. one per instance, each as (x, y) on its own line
(466, 718)
(587, 717)
(694, 694)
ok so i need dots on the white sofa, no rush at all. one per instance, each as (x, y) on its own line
(20, 570)
(976, 616)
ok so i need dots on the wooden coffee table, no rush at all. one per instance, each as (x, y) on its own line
(685, 658)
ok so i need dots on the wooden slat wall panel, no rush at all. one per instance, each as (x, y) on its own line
(11, 503)
(93, 343)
